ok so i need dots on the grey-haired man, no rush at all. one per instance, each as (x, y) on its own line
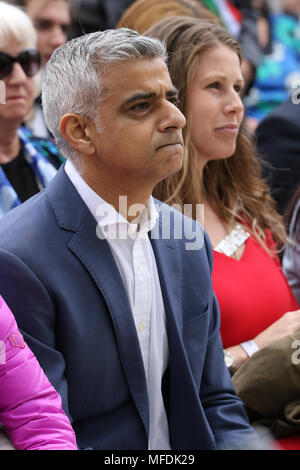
(122, 317)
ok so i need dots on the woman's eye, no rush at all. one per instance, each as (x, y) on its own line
(215, 85)
(238, 89)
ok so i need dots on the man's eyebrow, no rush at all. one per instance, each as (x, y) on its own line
(172, 92)
(149, 95)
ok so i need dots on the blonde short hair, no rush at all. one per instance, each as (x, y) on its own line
(15, 24)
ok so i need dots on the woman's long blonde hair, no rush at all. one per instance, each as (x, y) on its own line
(233, 186)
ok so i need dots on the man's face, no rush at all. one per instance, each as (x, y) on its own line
(51, 19)
(141, 137)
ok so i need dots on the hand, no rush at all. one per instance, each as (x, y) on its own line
(286, 325)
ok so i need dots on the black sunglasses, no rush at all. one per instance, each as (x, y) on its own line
(29, 60)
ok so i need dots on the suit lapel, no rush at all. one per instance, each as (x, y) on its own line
(184, 407)
(169, 270)
(84, 244)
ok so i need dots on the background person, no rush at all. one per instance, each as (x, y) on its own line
(27, 163)
(52, 21)
(291, 257)
(279, 66)
(237, 15)
(278, 142)
(142, 14)
(90, 16)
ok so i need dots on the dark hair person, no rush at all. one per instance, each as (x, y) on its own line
(291, 257)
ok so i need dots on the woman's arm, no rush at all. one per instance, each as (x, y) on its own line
(30, 408)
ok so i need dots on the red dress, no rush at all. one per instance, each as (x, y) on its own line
(253, 293)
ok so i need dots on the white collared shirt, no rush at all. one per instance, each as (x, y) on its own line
(132, 251)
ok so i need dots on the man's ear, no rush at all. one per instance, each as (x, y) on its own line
(75, 129)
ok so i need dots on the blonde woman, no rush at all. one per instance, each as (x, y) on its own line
(222, 172)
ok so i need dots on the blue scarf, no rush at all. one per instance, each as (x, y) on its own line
(41, 167)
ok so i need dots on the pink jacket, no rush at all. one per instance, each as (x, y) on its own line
(30, 408)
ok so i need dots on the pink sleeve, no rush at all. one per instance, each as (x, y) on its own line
(30, 408)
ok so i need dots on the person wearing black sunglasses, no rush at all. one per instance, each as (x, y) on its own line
(51, 20)
(29, 60)
(27, 163)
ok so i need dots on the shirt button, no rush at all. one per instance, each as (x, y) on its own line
(132, 230)
(140, 326)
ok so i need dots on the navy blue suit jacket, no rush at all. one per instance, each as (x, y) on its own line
(63, 285)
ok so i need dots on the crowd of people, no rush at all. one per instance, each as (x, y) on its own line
(150, 224)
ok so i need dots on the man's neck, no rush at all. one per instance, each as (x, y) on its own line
(127, 199)
(129, 205)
